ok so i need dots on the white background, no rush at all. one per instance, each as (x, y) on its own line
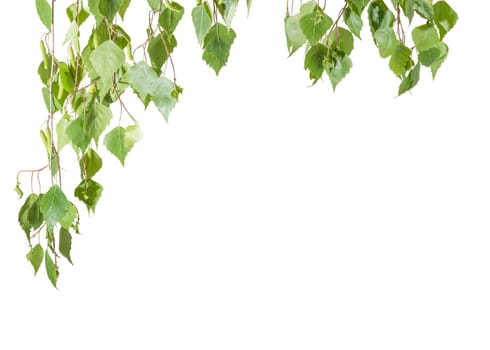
(266, 214)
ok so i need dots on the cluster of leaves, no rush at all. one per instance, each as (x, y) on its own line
(215, 38)
(329, 45)
(80, 90)
(79, 93)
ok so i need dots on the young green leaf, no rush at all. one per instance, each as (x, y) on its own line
(445, 17)
(410, 81)
(54, 205)
(77, 14)
(229, 10)
(428, 57)
(202, 19)
(341, 39)
(294, 35)
(425, 37)
(314, 61)
(337, 67)
(149, 87)
(160, 50)
(66, 77)
(315, 24)
(353, 21)
(89, 192)
(424, 9)
(106, 59)
(35, 257)
(24, 217)
(93, 5)
(401, 61)
(77, 135)
(69, 218)
(120, 141)
(51, 268)
(386, 41)
(217, 45)
(358, 5)
(171, 16)
(444, 49)
(45, 13)
(408, 8)
(65, 244)
(154, 4)
(109, 8)
(249, 5)
(379, 16)
(90, 163)
(124, 7)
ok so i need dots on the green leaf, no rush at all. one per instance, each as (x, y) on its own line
(358, 5)
(217, 45)
(149, 87)
(93, 118)
(71, 12)
(428, 57)
(410, 81)
(77, 135)
(35, 257)
(65, 244)
(249, 5)
(353, 21)
(45, 13)
(90, 163)
(44, 70)
(386, 41)
(380, 16)
(171, 16)
(69, 218)
(294, 35)
(165, 96)
(36, 218)
(315, 24)
(54, 205)
(61, 127)
(202, 19)
(66, 77)
(445, 17)
(314, 61)
(424, 9)
(72, 36)
(425, 37)
(23, 217)
(120, 141)
(338, 65)
(107, 59)
(109, 8)
(408, 8)
(93, 5)
(401, 61)
(124, 7)
(342, 39)
(159, 50)
(154, 4)
(442, 57)
(229, 10)
(51, 269)
(89, 192)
